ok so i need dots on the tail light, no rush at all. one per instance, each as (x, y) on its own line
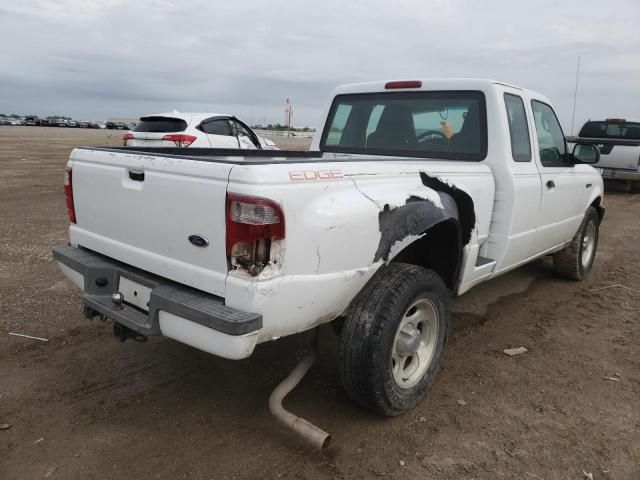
(180, 139)
(127, 136)
(68, 194)
(252, 224)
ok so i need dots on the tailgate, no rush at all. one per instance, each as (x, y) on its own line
(616, 154)
(624, 157)
(141, 210)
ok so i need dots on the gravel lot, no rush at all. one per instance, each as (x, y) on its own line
(85, 406)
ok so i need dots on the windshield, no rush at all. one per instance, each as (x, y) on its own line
(450, 125)
(160, 125)
(618, 129)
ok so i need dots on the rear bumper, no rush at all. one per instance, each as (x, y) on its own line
(614, 174)
(187, 315)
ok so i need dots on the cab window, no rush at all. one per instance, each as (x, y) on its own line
(551, 143)
(425, 124)
(518, 128)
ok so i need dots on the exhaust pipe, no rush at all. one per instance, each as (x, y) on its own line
(314, 435)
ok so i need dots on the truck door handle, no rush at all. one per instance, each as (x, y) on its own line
(551, 184)
(136, 176)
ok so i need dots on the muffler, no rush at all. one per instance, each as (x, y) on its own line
(312, 434)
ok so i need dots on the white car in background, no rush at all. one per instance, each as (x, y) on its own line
(199, 130)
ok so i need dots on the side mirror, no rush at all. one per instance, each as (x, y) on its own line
(585, 153)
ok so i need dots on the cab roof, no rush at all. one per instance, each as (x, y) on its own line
(428, 84)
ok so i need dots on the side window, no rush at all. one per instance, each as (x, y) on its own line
(518, 128)
(240, 130)
(550, 137)
(339, 122)
(217, 127)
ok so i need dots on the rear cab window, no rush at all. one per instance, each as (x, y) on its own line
(433, 124)
(612, 129)
(160, 125)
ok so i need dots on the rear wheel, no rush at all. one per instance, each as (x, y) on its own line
(575, 261)
(393, 339)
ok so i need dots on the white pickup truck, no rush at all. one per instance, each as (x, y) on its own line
(412, 191)
(619, 143)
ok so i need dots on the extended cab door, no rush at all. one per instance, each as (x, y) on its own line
(562, 190)
(219, 133)
(518, 198)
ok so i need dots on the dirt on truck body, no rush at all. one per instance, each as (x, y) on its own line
(79, 406)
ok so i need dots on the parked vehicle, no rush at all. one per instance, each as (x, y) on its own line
(31, 121)
(72, 124)
(619, 143)
(84, 124)
(204, 130)
(413, 190)
(58, 122)
(45, 122)
(5, 121)
(15, 122)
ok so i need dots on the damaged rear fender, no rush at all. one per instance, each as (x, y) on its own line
(423, 233)
(411, 220)
(428, 232)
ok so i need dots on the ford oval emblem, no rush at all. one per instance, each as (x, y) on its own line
(198, 240)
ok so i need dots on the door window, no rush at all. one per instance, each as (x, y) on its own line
(551, 144)
(518, 128)
(217, 127)
(242, 131)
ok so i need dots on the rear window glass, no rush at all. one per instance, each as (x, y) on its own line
(449, 125)
(616, 130)
(160, 125)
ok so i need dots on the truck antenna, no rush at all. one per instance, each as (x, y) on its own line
(575, 96)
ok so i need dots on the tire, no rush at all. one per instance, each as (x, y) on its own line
(401, 304)
(574, 262)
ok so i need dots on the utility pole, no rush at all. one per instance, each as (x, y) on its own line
(575, 96)
(288, 113)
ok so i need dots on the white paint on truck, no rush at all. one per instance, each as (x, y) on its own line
(332, 208)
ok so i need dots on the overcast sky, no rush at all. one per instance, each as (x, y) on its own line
(94, 59)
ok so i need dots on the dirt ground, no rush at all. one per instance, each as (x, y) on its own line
(83, 405)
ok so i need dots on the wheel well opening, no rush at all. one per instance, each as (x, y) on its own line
(440, 250)
(597, 205)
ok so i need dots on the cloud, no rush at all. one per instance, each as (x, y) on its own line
(107, 58)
